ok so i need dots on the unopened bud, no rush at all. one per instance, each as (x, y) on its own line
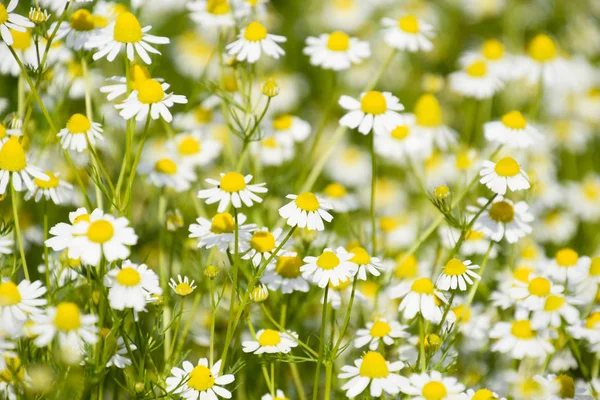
(270, 88)
(441, 192)
(259, 294)
(211, 272)
(174, 220)
(139, 387)
(432, 342)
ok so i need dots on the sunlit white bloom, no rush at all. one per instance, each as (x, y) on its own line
(12, 21)
(119, 359)
(476, 81)
(262, 245)
(270, 341)
(512, 130)
(533, 293)
(432, 385)
(182, 286)
(252, 41)
(456, 274)
(408, 33)
(151, 99)
(163, 170)
(481, 394)
(273, 150)
(306, 211)
(6, 244)
(381, 329)
(398, 231)
(78, 132)
(499, 62)
(199, 382)
(503, 219)
(588, 329)
(130, 286)
(474, 242)
(285, 274)
(519, 340)
(568, 265)
(376, 111)
(220, 231)
(279, 395)
(506, 173)
(336, 50)
(14, 167)
(402, 144)
(544, 65)
(374, 371)
(290, 127)
(421, 297)
(364, 263)
(232, 187)
(54, 189)
(535, 387)
(66, 322)
(81, 26)
(195, 148)
(211, 13)
(18, 303)
(339, 198)
(332, 266)
(584, 198)
(556, 307)
(429, 123)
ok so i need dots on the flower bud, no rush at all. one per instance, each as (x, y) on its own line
(139, 387)
(174, 220)
(441, 192)
(270, 88)
(211, 272)
(38, 16)
(259, 294)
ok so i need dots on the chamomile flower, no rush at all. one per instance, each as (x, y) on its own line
(336, 50)
(532, 294)
(432, 385)
(556, 308)
(262, 245)
(456, 274)
(164, 170)
(408, 33)
(220, 231)
(588, 329)
(59, 5)
(82, 26)
(279, 395)
(401, 144)
(195, 148)
(285, 274)
(306, 211)
(332, 266)
(182, 287)
(270, 341)
(506, 173)
(503, 219)
(6, 244)
(381, 329)
(513, 130)
(519, 340)
(119, 85)
(482, 394)
(420, 298)
(150, 98)
(54, 189)
(14, 167)
(476, 81)
(568, 265)
(6, 131)
(252, 41)
(66, 322)
(232, 187)
(543, 65)
(78, 132)
(126, 32)
(273, 150)
(429, 123)
(339, 198)
(376, 111)
(212, 13)
(533, 387)
(584, 198)
(119, 358)
(292, 128)
(18, 303)
(10, 21)
(365, 263)
(63, 233)
(499, 62)
(199, 382)
(130, 286)
(374, 371)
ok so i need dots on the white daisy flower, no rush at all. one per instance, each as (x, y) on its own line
(78, 131)
(119, 358)
(504, 219)
(506, 173)
(556, 308)
(364, 263)
(14, 167)
(519, 340)
(476, 81)
(457, 274)
(279, 395)
(381, 329)
(151, 99)
(306, 211)
(95, 236)
(195, 148)
(376, 111)
(252, 41)
(269, 341)
(232, 187)
(163, 170)
(6, 244)
(220, 231)
(63, 232)
(119, 86)
(568, 265)
(285, 275)
(407, 33)
(533, 293)
(19, 302)
(273, 150)
(336, 50)
(584, 198)
(68, 323)
(212, 13)
(130, 286)
(544, 65)
(374, 371)
(429, 123)
(482, 394)
(182, 287)
(291, 127)
(332, 266)
(262, 245)
(535, 387)
(11, 21)
(199, 382)
(499, 62)
(126, 32)
(588, 329)
(402, 144)
(512, 130)
(432, 385)
(341, 201)
(59, 5)
(54, 189)
(82, 26)
(421, 297)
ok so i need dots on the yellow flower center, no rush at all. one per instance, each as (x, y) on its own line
(540, 286)
(283, 122)
(380, 329)
(522, 274)
(373, 366)
(99, 21)
(387, 224)
(82, 217)
(166, 166)
(218, 7)
(531, 388)
(255, 32)
(183, 289)
(595, 266)
(502, 211)
(189, 145)
(455, 267)
(507, 167)
(230, 83)
(401, 132)
(68, 316)
(203, 115)
(2, 131)
(474, 235)
(14, 370)
(338, 41)
(21, 40)
(542, 48)
(591, 190)
(232, 182)
(593, 320)
(484, 394)
(128, 277)
(477, 69)
(428, 111)
(373, 102)
(222, 223)
(9, 294)
(361, 257)
(12, 156)
(269, 337)
(3, 14)
(78, 123)
(434, 390)
(100, 231)
(270, 143)
(522, 329)
(422, 286)
(82, 20)
(150, 92)
(335, 190)
(328, 260)
(53, 182)
(407, 268)
(463, 313)
(463, 160)
(288, 266)
(341, 285)
(553, 303)
(201, 378)
(514, 120)
(409, 24)
(137, 76)
(492, 49)
(127, 29)
(567, 386)
(567, 257)
(441, 192)
(262, 241)
(307, 201)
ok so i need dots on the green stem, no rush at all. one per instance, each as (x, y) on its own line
(373, 190)
(211, 285)
(347, 318)
(321, 344)
(136, 161)
(18, 230)
(423, 361)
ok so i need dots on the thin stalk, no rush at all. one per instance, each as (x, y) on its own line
(373, 189)
(321, 344)
(136, 161)
(211, 284)
(423, 362)
(347, 318)
(18, 230)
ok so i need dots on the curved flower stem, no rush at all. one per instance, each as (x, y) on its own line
(18, 230)
(136, 161)
(373, 189)
(321, 344)
(347, 318)
(90, 117)
(423, 361)
(211, 284)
